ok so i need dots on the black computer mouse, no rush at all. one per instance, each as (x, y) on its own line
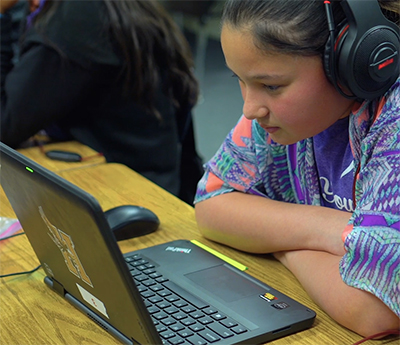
(130, 221)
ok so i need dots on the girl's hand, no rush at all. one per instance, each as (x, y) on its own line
(5, 5)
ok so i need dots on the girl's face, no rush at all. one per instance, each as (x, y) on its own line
(289, 96)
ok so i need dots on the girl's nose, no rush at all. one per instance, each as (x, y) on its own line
(254, 107)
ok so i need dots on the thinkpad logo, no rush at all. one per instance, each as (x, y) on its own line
(178, 250)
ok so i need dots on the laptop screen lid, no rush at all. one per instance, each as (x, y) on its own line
(78, 252)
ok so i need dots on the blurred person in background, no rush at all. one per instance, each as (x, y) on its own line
(114, 75)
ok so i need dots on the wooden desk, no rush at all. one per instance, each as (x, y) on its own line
(35, 153)
(30, 313)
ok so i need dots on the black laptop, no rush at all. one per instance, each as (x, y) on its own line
(173, 293)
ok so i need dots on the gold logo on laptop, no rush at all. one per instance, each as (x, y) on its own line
(268, 297)
(64, 242)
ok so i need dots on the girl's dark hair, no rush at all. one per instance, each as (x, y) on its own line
(290, 26)
(152, 44)
(154, 51)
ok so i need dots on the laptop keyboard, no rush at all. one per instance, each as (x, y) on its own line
(179, 316)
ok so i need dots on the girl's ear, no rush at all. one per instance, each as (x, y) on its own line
(33, 5)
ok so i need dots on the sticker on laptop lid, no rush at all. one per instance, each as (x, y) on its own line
(92, 300)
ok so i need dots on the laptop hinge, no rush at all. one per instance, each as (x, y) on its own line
(57, 287)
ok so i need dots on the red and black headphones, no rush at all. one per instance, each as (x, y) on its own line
(361, 56)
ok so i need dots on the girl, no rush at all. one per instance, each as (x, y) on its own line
(282, 182)
(116, 75)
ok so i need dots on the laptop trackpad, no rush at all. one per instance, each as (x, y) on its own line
(225, 283)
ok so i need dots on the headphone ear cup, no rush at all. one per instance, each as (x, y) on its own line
(364, 69)
(374, 66)
(361, 56)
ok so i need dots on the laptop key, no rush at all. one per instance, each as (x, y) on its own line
(138, 262)
(141, 277)
(163, 304)
(196, 314)
(141, 288)
(155, 299)
(149, 282)
(149, 271)
(179, 316)
(172, 298)
(229, 322)
(141, 267)
(155, 275)
(158, 287)
(196, 340)
(185, 333)
(198, 303)
(196, 327)
(134, 271)
(187, 321)
(171, 310)
(218, 316)
(161, 328)
(205, 320)
(210, 336)
(153, 309)
(160, 315)
(209, 311)
(167, 334)
(161, 280)
(133, 257)
(168, 321)
(176, 327)
(188, 309)
(239, 329)
(163, 292)
(221, 330)
(180, 303)
(176, 341)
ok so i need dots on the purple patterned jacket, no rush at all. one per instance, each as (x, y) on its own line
(248, 161)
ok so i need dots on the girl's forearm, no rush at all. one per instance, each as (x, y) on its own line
(260, 225)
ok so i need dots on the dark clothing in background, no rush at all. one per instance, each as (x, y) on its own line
(69, 77)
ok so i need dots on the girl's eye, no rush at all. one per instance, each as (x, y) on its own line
(271, 87)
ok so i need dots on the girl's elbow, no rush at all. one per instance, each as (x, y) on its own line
(379, 323)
